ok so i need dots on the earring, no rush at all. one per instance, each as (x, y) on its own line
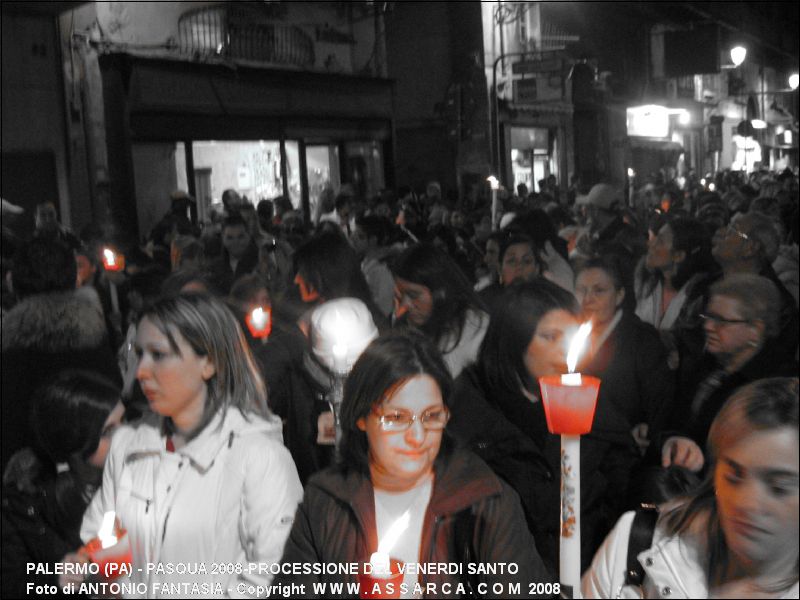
(752, 344)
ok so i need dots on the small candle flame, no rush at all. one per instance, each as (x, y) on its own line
(259, 317)
(395, 531)
(110, 257)
(577, 344)
(106, 533)
(380, 559)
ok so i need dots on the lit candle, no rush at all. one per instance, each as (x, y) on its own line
(109, 258)
(106, 534)
(259, 322)
(113, 261)
(380, 559)
(110, 550)
(575, 350)
(569, 402)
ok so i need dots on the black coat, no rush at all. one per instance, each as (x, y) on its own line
(771, 361)
(637, 385)
(43, 335)
(37, 527)
(509, 432)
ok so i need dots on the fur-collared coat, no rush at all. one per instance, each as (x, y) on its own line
(43, 335)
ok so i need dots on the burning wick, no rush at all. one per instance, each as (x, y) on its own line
(575, 350)
(380, 559)
(106, 533)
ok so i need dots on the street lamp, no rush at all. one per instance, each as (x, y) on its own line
(793, 81)
(738, 54)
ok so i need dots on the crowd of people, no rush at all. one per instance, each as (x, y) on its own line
(182, 383)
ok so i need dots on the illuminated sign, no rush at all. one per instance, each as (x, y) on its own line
(650, 120)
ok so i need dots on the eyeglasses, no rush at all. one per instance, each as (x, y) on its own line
(722, 321)
(399, 420)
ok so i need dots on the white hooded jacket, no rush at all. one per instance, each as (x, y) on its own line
(224, 501)
(673, 568)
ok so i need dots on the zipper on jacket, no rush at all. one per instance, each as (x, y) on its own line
(147, 501)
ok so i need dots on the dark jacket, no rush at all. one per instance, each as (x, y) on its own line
(221, 274)
(336, 524)
(637, 385)
(303, 397)
(37, 527)
(693, 419)
(43, 335)
(509, 432)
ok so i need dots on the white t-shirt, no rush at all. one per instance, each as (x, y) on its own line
(389, 507)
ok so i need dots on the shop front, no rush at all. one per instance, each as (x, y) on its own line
(263, 132)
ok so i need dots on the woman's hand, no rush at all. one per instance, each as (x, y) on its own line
(682, 452)
(74, 577)
(639, 433)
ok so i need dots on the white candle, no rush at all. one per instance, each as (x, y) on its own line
(379, 564)
(570, 546)
(571, 379)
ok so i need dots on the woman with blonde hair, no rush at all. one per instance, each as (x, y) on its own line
(205, 479)
(736, 535)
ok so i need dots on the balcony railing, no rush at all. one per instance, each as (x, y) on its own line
(232, 33)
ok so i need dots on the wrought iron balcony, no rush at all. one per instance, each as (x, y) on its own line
(235, 32)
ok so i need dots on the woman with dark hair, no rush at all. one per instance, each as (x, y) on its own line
(47, 487)
(736, 535)
(498, 414)
(434, 296)
(326, 267)
(627, 355)
(671, 276)
(397, 465)
(205, 477)
(548, 245)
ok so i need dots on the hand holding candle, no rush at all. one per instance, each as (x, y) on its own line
(111, 549)
(113, 261)
(383, 569)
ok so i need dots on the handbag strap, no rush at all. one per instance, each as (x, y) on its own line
(640, 539)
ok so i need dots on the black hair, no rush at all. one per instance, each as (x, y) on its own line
(67, 417)
(388, 362)
(511, 329)
(374, 226)
(328, 263)
(691, 236)
(234, 219)
(453, 296)
(43, 265)
(342, 200)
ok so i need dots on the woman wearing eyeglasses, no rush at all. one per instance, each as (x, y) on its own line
(397, 465)
(741, 323)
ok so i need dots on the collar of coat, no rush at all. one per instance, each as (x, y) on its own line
(55, 322)
(224, 430)
(461, 479)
